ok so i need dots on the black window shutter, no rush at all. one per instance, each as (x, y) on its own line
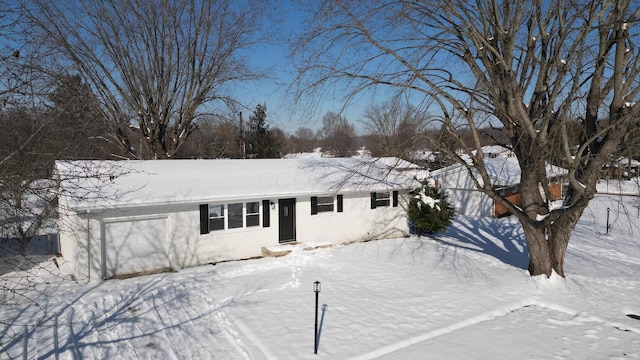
(266, 212)
(314, 205)
(204, 218)
(373, 200)
(339, 198)
(395, 199)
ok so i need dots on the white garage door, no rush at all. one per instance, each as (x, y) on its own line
(136, 246)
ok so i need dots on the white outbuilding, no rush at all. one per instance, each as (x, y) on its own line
(119, 218)
(504, 173)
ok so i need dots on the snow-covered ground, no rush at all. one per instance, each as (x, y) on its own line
(463, 295)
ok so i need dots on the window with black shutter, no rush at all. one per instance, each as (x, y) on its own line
(379, 199)
(216, 217)
(321, 204)
(237, 216)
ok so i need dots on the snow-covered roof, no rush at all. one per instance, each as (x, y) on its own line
(397, 163)
(498, 150)
(503, 171)
(315, 154)
(105, 184)
(628, 162)
(410, 169)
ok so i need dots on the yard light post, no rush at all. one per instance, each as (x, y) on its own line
(316, 289)
(608, 210)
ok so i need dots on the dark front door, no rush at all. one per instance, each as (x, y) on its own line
(287, 219)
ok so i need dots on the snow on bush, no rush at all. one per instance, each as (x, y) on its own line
(429, 210)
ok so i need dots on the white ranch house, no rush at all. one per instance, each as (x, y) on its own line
(128, 217)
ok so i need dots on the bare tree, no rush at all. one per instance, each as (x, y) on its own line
(525, 67)
(337, 135)
(26, 156)
(155, 66)
(395, 129)
(215, 137)
(26, 200)
(303, 140)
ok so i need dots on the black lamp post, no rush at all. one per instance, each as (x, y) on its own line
(316, 289)
(608, 226)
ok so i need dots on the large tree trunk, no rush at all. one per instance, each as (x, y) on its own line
(548, 244)
(547, 238)
(540, 255)
(547, 248)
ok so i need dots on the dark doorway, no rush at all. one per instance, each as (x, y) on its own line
(287, 220)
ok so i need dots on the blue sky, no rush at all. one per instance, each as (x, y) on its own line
(281, 112)
(272, 56)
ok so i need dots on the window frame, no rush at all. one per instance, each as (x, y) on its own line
(221, 218)
(387, 198)
(252, 215)
(238, 217)
(324, 205)
(383, 198)
(320, 204)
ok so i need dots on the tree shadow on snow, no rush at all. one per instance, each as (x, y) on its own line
(141, 319)
(501, 238)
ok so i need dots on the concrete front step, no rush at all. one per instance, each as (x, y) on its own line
(285, 249)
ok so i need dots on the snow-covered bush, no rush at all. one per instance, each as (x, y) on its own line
(429, 210)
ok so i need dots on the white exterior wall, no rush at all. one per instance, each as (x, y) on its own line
(357, 222)
(81, 246)
(191, 248)
(180, 244)
(80, 243)
(470, 202)
(462, 192)
(183, 245)
(66, 233)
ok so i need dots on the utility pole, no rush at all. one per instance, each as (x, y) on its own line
(242, 138)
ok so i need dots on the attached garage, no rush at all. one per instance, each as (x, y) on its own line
(135, 246)
(137, 217)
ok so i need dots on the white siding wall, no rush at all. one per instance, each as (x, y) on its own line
(357, 222)
(470, 202)
(67, 230)
(462, 192)
(184, 246)
(191, 248)
(81, 247)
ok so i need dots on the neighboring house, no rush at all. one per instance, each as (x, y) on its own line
(408, 168)
(129, 217)
(504, 172)
(630, 167)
